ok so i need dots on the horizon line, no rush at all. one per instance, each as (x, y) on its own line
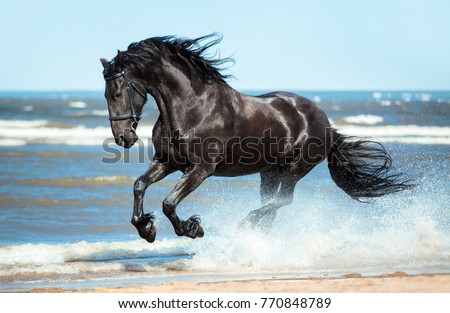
(249, 89)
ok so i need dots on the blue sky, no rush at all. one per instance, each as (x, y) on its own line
(309, 45)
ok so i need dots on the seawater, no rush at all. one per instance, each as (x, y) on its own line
(65, 206)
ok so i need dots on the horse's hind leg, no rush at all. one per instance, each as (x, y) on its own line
(270, 182)
(144, 222)
(263, 217)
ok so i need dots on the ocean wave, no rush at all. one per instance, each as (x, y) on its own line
(100, 112)
(19, 132)
(89, 113)
(410, 134)
(366, 119)
(11, 142)
(6, 203)
(84, 182)
(78, 104)
(80, 135)
(75, 258)
(404, 96)
(315, 240)
(5, 124)
(340, 250)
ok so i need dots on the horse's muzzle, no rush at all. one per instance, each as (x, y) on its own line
(125, 141)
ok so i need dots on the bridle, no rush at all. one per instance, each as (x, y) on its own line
(130, 86)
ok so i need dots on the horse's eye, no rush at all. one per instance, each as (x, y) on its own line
(118, 94)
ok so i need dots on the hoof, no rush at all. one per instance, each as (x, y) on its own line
(148, 232)
(192, 228)
(258, 221)
(200, 232)
(251, 220)
(146, 228)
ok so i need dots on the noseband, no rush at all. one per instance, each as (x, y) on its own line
(130, 86)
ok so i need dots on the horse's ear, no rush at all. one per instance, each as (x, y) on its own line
(119, 59)
(104, 62)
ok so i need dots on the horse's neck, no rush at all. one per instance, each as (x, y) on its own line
(176, 105)
(171, 110)
(168, 125)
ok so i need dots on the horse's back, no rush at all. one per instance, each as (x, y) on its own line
(275, 127)
(315, 119)
(316, 135)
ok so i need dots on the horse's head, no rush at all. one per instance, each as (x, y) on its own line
(126, 96)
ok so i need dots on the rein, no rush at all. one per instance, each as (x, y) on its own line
(130, 86)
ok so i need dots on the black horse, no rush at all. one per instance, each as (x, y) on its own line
(207, 128)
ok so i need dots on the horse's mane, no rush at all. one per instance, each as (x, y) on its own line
(190, 54)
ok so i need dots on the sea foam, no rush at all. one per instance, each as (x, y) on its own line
(365, 119)
(66, 258)
(310, 238)
(314, 236)
(19, 132)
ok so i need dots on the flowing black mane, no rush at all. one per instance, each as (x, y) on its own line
(190, 54)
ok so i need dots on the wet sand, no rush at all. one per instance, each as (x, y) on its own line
(397, 282)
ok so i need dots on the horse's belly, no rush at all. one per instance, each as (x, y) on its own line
(252, 157)
(227, 170)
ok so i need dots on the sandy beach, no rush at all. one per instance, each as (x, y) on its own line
(397, 282)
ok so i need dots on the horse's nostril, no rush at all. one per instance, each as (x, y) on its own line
(120, 140)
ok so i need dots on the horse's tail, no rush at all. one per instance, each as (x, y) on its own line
(362, 168)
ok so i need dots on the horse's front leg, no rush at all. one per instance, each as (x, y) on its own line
(191, 179)
(144, 222)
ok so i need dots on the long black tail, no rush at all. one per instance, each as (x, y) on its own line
(362, 168)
